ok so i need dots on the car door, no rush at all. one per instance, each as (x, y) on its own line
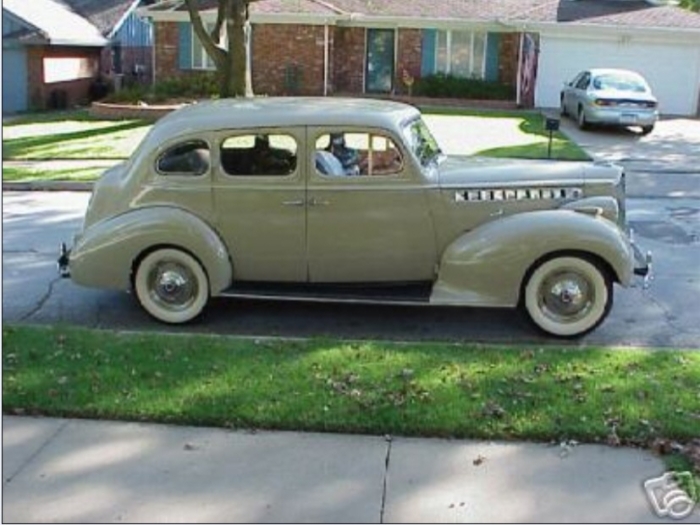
(259, 198)
(579, 92)
(367, 210)
(569, 93)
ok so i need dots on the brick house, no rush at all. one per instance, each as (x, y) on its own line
(54, 50)
(313, 47)
(324, 47)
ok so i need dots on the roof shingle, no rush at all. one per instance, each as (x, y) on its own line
(632, 13)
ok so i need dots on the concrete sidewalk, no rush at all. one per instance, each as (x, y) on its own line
(87, 471)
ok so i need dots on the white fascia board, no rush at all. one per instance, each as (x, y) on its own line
(358, 20)
(210, 16)
(351, 20)
(597, 31)
(77, 43)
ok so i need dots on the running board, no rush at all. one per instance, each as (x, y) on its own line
(400, 293)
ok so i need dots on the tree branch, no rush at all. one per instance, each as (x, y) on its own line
(212, 48)
(220, 16)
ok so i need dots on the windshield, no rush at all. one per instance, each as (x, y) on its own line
(620, 82)
(421, 142)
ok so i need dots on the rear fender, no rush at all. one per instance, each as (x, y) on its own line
(486, 266)
(104, 254)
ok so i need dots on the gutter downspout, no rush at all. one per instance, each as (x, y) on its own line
(153, 53)
(326, 65)
(518, 97)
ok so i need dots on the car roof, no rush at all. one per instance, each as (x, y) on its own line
(613, 71)
(261, 112)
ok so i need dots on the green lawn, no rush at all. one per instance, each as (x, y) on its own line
(70, 135)
(529, 123)
(12, 174)
(615, 396)
(466, 390)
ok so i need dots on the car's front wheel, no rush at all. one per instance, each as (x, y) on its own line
(568, 296)
(582, 122)
(171, 285)
(647, 129)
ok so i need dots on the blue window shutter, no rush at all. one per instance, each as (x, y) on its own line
(184, 45)
(427, 64)
(492, 45)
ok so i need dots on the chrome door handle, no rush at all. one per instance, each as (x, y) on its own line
(299, 202)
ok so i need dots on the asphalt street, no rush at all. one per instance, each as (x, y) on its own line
(663, 315)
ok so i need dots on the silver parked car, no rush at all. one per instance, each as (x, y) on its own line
(616, 97)
(350, 200)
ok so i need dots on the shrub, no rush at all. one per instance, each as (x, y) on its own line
(449, 86)
(195, 86)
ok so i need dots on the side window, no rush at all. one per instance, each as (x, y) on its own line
(348, 154)
(584, 82)
(186, 158)
(261, 154)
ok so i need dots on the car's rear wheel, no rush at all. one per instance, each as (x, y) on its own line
(568, 296)
(582, 122)
(171, 285)
(647, 129)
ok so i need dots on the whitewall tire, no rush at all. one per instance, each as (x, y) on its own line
(568, 296)
(171, 286)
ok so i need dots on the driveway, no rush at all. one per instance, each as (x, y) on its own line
(665, 163)
(673, 146)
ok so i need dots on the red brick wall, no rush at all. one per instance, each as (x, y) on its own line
(287, 59)
(166, 36)
(76, 92)
(410, 45)
(348, 58)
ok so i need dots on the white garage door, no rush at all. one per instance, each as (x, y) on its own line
(673, 70)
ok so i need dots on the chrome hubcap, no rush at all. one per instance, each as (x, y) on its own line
(172, 285)
(566, 297)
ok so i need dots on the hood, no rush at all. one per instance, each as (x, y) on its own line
(489, 172)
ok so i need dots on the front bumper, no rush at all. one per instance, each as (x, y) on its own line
(63, 261)
(621, 116)
(642, 262)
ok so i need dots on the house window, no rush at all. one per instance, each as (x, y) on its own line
(460, 53)
(200, 58)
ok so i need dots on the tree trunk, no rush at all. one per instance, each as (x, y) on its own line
(232, 67)
(239, 71)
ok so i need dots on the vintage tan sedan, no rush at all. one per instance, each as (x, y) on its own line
(350, 200)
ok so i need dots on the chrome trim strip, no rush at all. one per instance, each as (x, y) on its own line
(311, 299)
(530, 193)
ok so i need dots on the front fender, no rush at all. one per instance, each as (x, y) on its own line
(486, 266)
(104, 253)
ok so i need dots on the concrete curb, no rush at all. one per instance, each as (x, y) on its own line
(47, 186)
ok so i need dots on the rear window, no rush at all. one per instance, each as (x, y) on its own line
(620, 82)
(185, 158)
